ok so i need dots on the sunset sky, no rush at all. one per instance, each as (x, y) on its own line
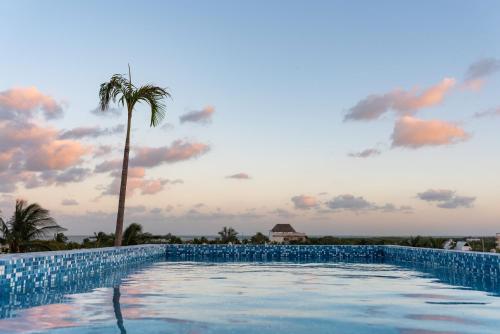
(339, 117)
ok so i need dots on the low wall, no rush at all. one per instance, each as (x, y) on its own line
(472, 262)
(273, 252)
(27, 271)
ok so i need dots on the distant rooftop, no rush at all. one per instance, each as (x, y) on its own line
(283, 228)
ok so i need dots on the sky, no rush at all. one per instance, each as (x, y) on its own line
(339, 117)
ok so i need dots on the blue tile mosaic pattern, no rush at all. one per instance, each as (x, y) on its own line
(473, 262)
(274, 252)
(25, 272)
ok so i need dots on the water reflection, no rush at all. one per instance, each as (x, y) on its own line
(118, 310)
(249, 297)
(58, 293)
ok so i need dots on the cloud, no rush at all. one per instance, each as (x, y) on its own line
(92, 132)
(25, 102)
(482, 69)
(203, 116)
(30, 153)
(69, 202)
(136, 181)
(51, 177)
(156, 211)
(494, 112)
(458, 202)
(370, 152)
(239, 176)
(180, 150)
(400, 101)
(304, 202)
(282, 213)
(167, 127)
(348, 202)
(446, 199)
(108, 166)
(55, 155)
(136, 209)
(433, 195)
(75, 174)
(389, 207)
(415, 133)
(110, 112)
(102, 150)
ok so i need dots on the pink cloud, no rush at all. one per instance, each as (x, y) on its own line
(56, 155)
(239, 176)
(414, 133)
(198, 116)
(137, 181)
(304, 202)
(18, 101)
(179, 150)
(400, 101)
(31, 152)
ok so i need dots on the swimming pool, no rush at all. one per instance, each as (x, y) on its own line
(177, 295)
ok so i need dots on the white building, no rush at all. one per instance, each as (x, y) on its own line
(284, 233)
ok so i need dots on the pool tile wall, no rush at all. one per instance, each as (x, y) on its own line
(472, 262)
(23, 272)
(274, 252)
(29, 271)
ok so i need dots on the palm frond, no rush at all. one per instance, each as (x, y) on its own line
(110, 90)
(4, 229)
(153, 96)
(29, 222)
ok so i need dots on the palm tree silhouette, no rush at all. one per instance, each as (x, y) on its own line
(119, 89)
(29, 223)
(228, 234)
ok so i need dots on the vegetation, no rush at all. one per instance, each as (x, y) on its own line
(29, 223)
(38, 221)
(228, 235)
(259, 239)
(122, 91)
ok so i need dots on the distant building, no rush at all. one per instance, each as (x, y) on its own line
(463, 246)
(284, 233)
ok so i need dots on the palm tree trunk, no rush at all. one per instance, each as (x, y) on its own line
(123, 186)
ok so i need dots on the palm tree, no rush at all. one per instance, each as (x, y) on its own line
(29, 223)
(121, 90)
(259, 239)
(132, 234)
(228, 234)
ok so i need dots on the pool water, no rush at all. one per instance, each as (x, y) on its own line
(203, 297)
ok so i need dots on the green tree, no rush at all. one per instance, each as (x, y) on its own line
(259, 239)
(103, 239)
(28, 224)
(120, 89)
(133, 235)
(200, 241)
(228, 234)
(60, 237)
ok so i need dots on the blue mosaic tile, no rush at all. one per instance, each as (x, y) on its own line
(25, 272)
(22, 272)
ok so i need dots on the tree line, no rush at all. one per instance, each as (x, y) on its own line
(31, 228)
